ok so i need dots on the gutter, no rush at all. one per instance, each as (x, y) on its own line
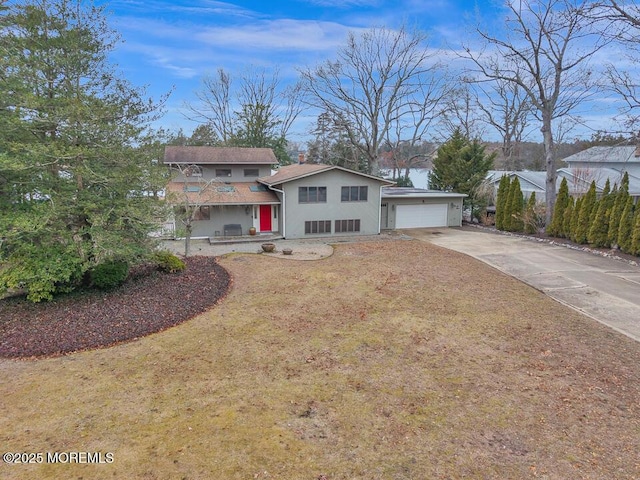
(283, 215)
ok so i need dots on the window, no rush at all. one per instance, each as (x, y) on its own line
(354, 194)
(193, 171)
(317, 226)
(251, 172)
(312, 194)
(348, 225)
(223, 172)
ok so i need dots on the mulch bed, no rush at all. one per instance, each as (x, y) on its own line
(148, 302)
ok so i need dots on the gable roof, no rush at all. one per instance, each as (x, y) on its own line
(219, 155)
(623, 154)
(294, 172)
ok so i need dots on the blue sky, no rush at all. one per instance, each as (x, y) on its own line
(170, 46)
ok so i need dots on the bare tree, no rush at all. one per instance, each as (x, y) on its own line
(256, 112)
(505, 107)
(191, 201)
(461, 112)
(382, 80)
(620, 21)
(545, 50)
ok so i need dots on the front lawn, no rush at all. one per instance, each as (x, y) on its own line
(387, 360)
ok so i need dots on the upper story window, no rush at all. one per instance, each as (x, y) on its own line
(193, 171)
(223, 172)
(312, 194)
(251, 172)
(354, 194)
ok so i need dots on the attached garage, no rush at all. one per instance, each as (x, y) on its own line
(421, 215)
(405, 207)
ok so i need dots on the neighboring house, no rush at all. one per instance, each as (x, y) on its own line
(236, 191)
(578, 180)
(622, 159)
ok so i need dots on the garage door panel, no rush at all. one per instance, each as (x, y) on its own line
(421, 215)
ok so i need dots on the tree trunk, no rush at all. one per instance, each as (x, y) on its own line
(550, 184)
(187, 240)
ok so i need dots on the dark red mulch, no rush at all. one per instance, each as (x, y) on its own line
(145, 304)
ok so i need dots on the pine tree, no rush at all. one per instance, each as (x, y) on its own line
(625, 229)
(562, 200)
(71, 130)
(501, 201)
(585, 215)
(598, 233)
(530, 215)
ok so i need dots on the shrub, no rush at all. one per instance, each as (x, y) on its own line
(562, 201)
(109, 274)
(168, 262)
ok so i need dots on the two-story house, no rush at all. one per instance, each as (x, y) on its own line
(237, 193)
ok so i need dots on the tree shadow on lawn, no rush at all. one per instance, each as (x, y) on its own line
(149, 302)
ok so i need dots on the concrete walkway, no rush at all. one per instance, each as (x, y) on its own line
(605, 289)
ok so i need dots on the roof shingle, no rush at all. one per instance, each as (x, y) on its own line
(219, 155)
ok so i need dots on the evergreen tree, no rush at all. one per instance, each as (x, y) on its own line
(625, 229)
(530, 216)
(635, 235)
(616, 211)
(70, 135)
(575, 218)
(562, 200)
(461, 166)
(501, 201)
(585, 215)
(598, 232)
(516, 207)
(566, 220)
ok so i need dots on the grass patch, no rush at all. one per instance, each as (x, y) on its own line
(386, 360)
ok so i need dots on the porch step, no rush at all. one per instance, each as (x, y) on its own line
(244, 239)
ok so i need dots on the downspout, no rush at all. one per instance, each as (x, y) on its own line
(380, 212)
(282, 216)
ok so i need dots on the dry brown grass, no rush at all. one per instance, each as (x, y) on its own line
(390, 360)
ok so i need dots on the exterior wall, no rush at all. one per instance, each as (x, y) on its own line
(221, 216)
(454, 209)
(632, 167)
(334, 209)
(237, 173)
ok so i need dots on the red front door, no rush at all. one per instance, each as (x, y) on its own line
(265, 218)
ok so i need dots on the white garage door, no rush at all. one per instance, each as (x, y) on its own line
(414, 216)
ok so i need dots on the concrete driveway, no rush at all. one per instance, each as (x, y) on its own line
(605, 289)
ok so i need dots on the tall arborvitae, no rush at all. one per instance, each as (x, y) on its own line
(575, 218)
(530, 215)
(516, 207)
(598, 235)
(501, 201)
(562, 200)
(585, 215)
(635, 236)
(566, 220)
(616, 211)
(625, 229)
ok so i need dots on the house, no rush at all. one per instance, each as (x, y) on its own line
(578, 180)
(619, 158)
(236, 191)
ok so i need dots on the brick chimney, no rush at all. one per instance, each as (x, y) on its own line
(300, 158)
